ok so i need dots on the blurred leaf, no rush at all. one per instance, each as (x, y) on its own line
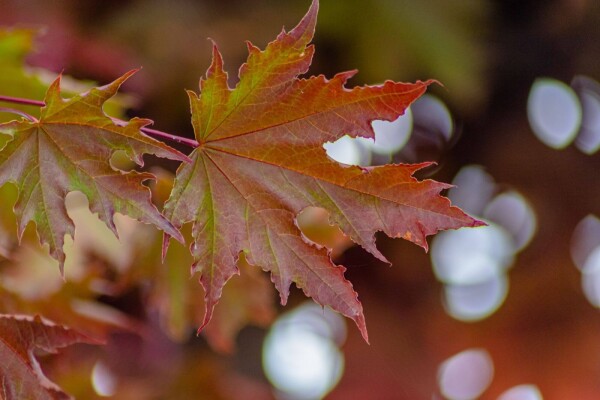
(19, 80)
(8, 196)
(20, 338)
(15, 81)
(395, 38)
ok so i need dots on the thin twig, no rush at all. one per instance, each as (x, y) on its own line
(161, 134)
(175, 138)
(148, 131)
(18, 100)
(19, 112)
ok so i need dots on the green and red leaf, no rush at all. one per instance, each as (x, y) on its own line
(69, 149)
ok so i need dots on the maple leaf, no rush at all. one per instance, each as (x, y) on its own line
(261, 161)
(69, 149)
(20, 373)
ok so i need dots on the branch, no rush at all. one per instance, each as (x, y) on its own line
(18, 100)
(160, 134)
(19, 112)
(151, 132)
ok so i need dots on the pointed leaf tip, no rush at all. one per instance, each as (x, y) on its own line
(308, 23)
(210, 301)
(52, 94)
(169, 231)
(362, 326)
(165, 246)
(109, 90)
(217, 60)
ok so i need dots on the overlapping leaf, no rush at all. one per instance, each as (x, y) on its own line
(261, 162)
(247, 299)
(20, 374)
(69, 149)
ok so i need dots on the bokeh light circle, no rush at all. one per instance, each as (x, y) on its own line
(554, 112)
(469, 256)
(104, 381)
(301, 357)
(431, 112)
(522, 392)
(473, 189)
(391, 136)
(476, 301)
(466, 375)
(347, 150)
(514, 213)
(588, 139)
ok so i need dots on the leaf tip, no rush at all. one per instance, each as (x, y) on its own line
(175, 233)
(477, 223)
(128, 74)
(186, 159)
(61, 267)
(213, 289)
(53, 93)
(360, 322)
(165, 246)
(204, 323)
(431, 82)
(306, 26)
(112, 88)
(343, 77)
(56, 82)
(193, 96)
(208, 312)
(252, 48)
(217, 60)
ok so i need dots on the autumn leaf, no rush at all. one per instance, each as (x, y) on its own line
(260, 162)
(20, 373)
(69, 149)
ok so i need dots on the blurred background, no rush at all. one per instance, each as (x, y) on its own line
(508, 311)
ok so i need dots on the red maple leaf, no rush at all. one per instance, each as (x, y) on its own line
(261, 161)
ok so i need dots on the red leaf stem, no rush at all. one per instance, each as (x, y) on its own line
(152, 132)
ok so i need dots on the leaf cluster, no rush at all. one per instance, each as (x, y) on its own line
(259, 162)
